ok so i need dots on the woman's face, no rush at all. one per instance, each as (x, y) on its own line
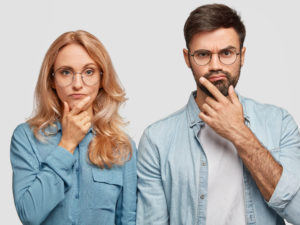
(73, 59)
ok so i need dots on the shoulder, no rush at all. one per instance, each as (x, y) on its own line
(22, 127)
(23, 130)
(255, 108)
(163, 132)
(269, 116)
(167, 124)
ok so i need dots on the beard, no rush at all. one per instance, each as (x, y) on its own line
(222, 85)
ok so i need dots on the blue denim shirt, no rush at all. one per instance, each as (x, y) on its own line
(173, 168)
(51, 186)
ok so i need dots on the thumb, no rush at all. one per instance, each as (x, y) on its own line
(66, 108)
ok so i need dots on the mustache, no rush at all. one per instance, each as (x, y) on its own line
(216, 72)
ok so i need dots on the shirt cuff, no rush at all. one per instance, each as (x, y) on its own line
(287, 187)
(61, 162)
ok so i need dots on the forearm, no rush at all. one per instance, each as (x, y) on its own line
(38, 189)
(265, 170)
(36, 202)
(151, 203)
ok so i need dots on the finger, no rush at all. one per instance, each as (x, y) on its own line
(208, 110)
(232, 95)
(80, 116)
(204, 117)
(80, 106)
(212, 102)
(87, 126)
(212, 89)
(66, 108)
(85, 119)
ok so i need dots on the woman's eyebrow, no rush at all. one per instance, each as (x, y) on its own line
(70, 67)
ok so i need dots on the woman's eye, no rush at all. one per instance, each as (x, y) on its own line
(89, 72)
(65, 72)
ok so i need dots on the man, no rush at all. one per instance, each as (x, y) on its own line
(223, 158)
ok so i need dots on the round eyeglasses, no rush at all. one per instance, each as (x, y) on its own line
(65, 76)
(203, 57)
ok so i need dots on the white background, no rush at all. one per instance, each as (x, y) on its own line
(145, 41)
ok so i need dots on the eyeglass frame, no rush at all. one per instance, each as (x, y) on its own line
(212, 53)
(74, 73)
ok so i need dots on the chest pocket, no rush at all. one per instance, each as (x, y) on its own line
(106, 187)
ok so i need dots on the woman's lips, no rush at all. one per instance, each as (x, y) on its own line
(216, 78)
(77, 96)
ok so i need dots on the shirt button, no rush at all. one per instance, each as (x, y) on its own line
(77, 196)
(203, 164)
(202, 196)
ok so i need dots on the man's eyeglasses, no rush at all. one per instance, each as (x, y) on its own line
(65, 76)
(203, 57)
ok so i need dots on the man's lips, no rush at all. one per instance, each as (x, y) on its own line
(214, 78)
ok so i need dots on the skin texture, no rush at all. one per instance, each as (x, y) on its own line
(225, 114)
(77, 98)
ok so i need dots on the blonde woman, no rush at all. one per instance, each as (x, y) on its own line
(72, 163)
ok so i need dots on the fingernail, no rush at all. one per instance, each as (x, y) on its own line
(202, 79)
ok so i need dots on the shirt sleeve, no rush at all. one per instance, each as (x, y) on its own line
(286, 197)
(126, 206)
(37, 186)
(151, 206)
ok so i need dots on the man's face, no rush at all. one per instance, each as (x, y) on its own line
(220, 74)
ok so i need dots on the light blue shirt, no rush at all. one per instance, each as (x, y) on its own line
(51, 186)
(173, 168)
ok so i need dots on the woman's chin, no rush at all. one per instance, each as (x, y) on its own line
(75, 102)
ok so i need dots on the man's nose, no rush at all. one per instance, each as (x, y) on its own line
(215, 63)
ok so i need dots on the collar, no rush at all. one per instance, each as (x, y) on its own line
(193, 111)
(56, 128)
(246, 115)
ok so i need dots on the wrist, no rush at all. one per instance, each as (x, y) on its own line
(67, 145)
(241, 136)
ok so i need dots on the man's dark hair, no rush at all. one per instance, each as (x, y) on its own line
(211, 17)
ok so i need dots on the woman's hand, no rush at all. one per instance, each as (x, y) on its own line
(75, 125)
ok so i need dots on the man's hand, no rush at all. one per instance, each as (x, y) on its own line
(75, 124)
(223, 115)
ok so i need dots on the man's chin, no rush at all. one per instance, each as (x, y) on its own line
(223, 88)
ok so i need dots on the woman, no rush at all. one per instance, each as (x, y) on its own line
(72, 163)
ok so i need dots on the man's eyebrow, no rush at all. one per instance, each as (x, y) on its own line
(229, 47)
(206, 50)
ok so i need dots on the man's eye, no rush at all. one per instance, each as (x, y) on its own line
(226, 53)
(202, 54)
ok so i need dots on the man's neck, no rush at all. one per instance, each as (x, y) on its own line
(200, 98)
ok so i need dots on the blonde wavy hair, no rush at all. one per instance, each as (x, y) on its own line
(110, 144)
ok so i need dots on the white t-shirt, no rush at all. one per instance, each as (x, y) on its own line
(225, 203)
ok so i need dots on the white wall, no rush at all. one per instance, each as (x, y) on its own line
(145, 41)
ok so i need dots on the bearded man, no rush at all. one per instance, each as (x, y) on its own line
(223, 158)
